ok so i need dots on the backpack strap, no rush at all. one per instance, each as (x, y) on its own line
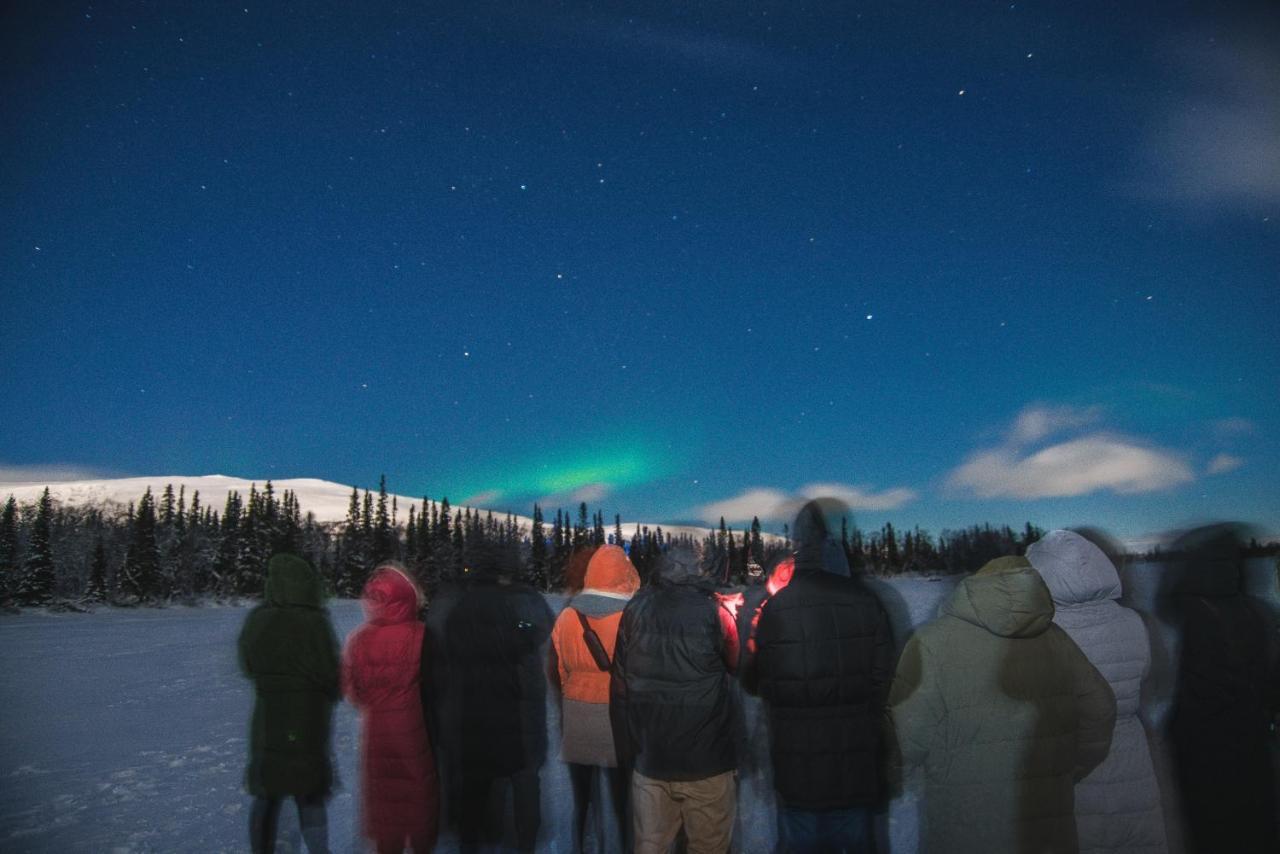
(594, 645)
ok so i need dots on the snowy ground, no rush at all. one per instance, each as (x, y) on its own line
(124, 731)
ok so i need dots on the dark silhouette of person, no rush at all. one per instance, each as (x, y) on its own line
(670, 705)
(495, 637)
(822, 665)
(288, 648)
(1224, 698)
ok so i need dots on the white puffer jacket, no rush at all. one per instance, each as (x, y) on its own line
(1118, 805)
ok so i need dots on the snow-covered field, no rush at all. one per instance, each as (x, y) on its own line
(124, 731)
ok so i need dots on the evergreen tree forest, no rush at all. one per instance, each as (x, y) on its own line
(174, 547)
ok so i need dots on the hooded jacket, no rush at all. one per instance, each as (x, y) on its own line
(610, 580)
(1118, 805)
(669, 697)
(382, 677)
(288, 648)
(1003, 713)
(823, 662)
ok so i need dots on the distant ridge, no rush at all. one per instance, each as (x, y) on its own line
(324, 498)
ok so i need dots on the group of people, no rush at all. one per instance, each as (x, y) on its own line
(1012, 717)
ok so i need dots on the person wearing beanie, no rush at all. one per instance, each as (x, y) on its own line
(1002, 714)
(382, 667)
(288, 648)
(582, 673)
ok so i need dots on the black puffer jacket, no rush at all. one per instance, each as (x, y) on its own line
(824, 662)
(669, 698)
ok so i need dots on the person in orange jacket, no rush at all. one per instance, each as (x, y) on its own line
(582, 645)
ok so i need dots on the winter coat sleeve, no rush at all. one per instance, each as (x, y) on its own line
(1095, 715)
(882, 660)
(351, 687)
(916, 711)
(619, 720)
(426, 690)
(729, 636)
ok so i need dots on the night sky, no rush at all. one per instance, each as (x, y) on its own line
(953, 262)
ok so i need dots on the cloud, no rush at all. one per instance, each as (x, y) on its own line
(768, 503)
(1219, 145)
(1223, 463)
(1038, 421)
(1092, 463)
(1227, 428)
(52, 473)
(591, 493)
(482, 498)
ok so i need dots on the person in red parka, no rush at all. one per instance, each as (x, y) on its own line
(382, 669)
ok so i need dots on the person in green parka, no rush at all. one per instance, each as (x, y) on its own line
(288, 648)
(1002, 713)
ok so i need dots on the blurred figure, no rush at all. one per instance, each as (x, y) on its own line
(288, 648)
(671, 710)
(753, 601)
(1225, 696)
(1118, 804)
(822, 666)
(583, 645)
(383, 669)
(1003, 713)
(494, 639)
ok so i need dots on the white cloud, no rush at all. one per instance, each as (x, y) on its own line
(768, 503)
(1227, 428)
(1223, 463)
(859, 499)
(480, 499)
(590, 493)
(1038, 421)
(52, 473)
(1221, 144)
(1076, 467)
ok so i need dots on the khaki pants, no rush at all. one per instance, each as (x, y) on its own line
(705, 807)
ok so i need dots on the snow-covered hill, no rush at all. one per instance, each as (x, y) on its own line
(326, 499)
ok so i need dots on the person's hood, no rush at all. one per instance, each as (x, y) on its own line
(1207, 561)
(389, 597)
(679, 565)
(292, 581)
(815, 549)
(1006, 597)
(1075, 570)
(611, 571)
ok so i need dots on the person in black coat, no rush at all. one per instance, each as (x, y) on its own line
(823, 666)
(288, 648)
(670, 708)
(1225, 696)
(495, 637)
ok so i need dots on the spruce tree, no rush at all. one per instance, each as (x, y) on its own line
(96, 590)
(383, 547)
(38, 579)
(9, 547)
(142, 566)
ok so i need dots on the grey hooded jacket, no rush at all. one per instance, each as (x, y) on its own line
(1118, 804)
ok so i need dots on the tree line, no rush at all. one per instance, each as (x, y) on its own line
(174, 547)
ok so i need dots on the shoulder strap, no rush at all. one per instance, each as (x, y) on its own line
(594, 645)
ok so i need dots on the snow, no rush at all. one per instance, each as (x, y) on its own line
(125, 731)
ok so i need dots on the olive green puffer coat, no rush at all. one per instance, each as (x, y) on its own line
(289, 650)
(1003, 713)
